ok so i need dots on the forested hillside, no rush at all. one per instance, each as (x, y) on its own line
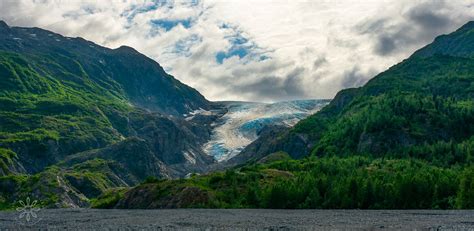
(324, 183)
(403, 140)
(422, 107)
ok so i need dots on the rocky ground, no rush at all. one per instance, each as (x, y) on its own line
(238, 219)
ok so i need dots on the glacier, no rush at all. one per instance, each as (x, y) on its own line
(243, 121)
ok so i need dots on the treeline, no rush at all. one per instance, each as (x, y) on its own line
(326, 183)
(351, 183)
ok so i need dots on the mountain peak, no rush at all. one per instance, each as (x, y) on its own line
(143, 80)
(4, 25)
(127, 49)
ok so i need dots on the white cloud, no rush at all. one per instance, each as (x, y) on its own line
(295, 49)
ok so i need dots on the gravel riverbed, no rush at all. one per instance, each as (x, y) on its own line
(238, 219)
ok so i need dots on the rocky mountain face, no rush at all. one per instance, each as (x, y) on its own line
(91, 117)
(422, 107)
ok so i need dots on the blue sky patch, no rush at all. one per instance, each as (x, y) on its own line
(183, 46)
(138, 9)
(240, 47)
(239, 51)
(169, 24)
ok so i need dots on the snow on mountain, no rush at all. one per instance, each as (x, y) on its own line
(244, 121)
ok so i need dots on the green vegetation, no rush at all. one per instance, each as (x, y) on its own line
(405, 140)
(109, 198)
(40, 112)
(72, 131)
(6, 160)
(428, 114)
(465, 197)
(326, 183)
(78, 119)
(80, 183)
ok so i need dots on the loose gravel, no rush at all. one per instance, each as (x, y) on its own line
(239, 219)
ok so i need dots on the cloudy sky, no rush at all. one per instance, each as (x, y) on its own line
(256, 50)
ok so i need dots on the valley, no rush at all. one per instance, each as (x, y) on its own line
(83, 125)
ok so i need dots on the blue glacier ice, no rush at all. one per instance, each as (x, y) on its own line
(244, 120)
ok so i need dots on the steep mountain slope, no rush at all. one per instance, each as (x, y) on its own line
(422, 107)
(405, 140)
(122, 72)
(67, 101)
(78, 119)
(458, 43)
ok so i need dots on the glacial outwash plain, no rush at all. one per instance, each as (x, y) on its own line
(95, 136)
